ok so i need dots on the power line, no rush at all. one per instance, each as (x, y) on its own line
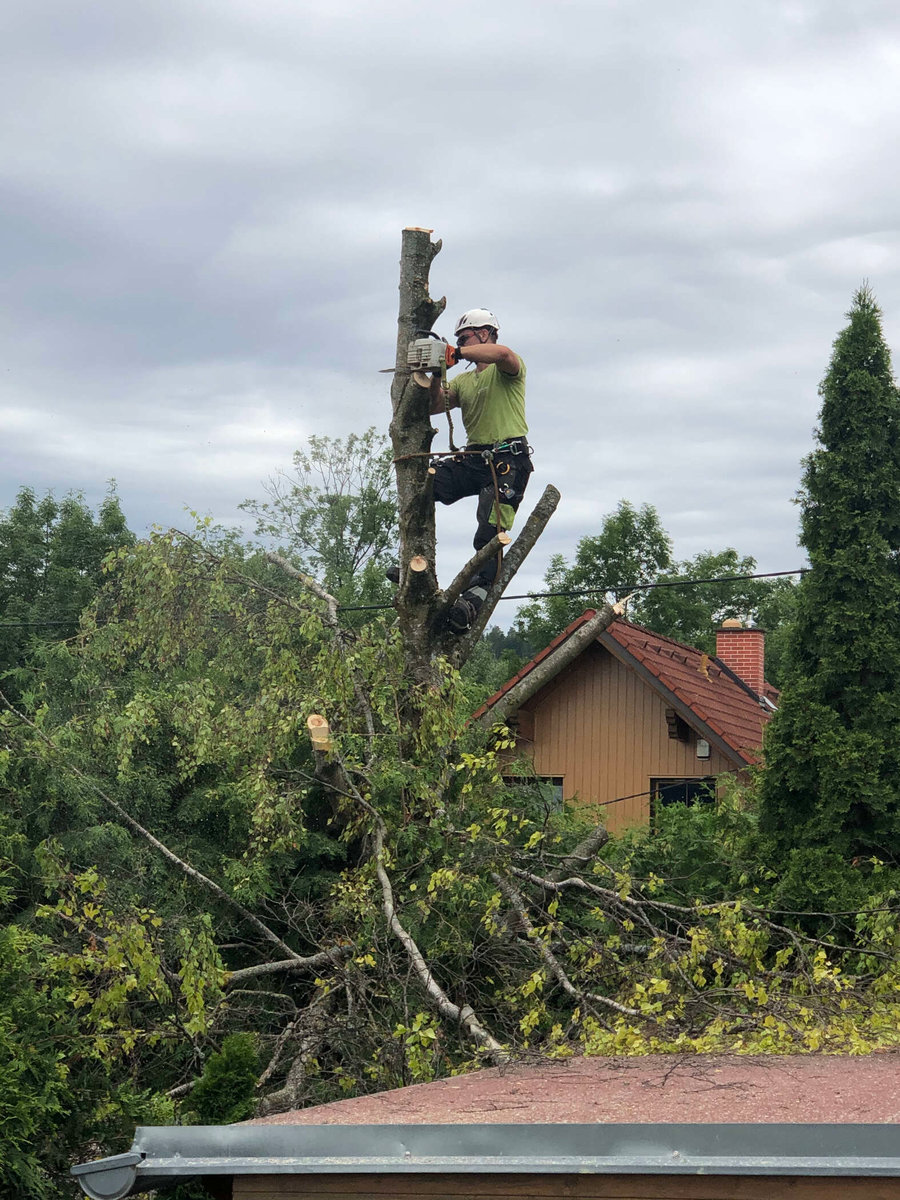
(600, 589)
(646, 587)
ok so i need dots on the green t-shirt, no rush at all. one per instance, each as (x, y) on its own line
(492, 403)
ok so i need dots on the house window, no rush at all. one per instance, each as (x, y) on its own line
(552, 787)
(681, 791)
(547, 790)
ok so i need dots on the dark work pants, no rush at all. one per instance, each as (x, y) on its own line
(470, 475)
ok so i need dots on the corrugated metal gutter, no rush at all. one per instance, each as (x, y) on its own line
(164, 1155)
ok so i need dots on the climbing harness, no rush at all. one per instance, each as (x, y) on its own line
(502, 492)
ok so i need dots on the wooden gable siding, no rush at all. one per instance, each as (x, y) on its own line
(564, 1187)
(604, 730)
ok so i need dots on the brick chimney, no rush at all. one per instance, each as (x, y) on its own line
(744, 651)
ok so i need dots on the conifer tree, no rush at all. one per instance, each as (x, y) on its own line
(831, 790)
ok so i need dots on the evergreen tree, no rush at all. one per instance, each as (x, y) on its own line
(831, 791)
(51, 556)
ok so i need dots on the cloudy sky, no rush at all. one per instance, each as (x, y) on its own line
(668, 205)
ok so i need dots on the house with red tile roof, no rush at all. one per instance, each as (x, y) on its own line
(638, 719)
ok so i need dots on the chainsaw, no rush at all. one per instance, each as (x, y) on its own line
(431, 354)
(428, 354)
(427, 357)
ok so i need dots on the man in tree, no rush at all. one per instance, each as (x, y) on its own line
(495, 462)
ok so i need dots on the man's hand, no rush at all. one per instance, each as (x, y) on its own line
(428, 354)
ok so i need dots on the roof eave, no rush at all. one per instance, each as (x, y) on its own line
(167, 1155)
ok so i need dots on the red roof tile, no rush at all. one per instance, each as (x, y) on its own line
(710, 690)
(701, 682)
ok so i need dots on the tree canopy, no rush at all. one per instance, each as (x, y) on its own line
(51, 564)
(336, 514)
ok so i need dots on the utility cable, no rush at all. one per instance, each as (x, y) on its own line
(598, 590)
(601, 589)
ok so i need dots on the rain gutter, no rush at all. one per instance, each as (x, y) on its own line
(163, 1156)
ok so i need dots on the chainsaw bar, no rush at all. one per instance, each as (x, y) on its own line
(420, 377)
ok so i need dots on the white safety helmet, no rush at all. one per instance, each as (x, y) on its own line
(476, 318)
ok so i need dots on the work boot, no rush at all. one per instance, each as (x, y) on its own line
(461, 615)
(465, 610)
(393, 573)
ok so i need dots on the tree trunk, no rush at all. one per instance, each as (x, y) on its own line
(411, 435)
(421, 606)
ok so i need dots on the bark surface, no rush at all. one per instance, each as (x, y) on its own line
(411, 436)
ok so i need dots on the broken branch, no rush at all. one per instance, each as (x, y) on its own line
(309, 583)
(512, 561)
(544, 671)
(517, 903)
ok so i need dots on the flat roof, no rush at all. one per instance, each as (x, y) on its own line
(162, 1155)
(653, 1088)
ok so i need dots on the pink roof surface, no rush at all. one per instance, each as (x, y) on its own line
(698, 680)
(655, 1089)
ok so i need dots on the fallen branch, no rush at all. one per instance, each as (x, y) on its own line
(517, 903)
(549, 667)
(235, 576)
(309, 583)
(335, 956)
(583, 853)
(313, 1023)
(462, 1014)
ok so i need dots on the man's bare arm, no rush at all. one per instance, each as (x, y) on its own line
(438, 402)
(491, 352)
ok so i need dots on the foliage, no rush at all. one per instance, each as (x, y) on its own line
(336, 515)
(634, 549)
(225, 1092)
(703, 850)
(693, 614)
(34, 1092)
(228, 917)
(830, 794)
(776, 614)
(50, 567)
(335, 909)
(59, 1098)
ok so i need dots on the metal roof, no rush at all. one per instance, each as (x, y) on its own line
(164, 1155)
